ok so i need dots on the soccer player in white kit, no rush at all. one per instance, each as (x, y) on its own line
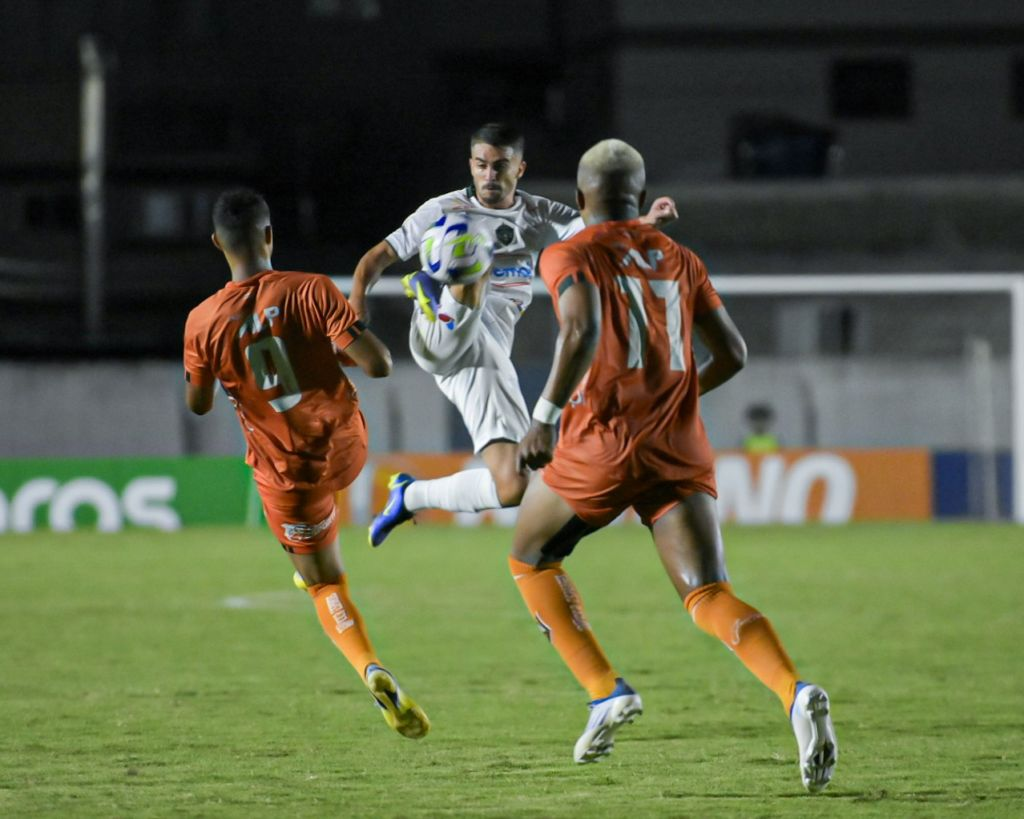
(462, 334)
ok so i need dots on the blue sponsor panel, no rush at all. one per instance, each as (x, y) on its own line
(1004, 474)
(959, 479)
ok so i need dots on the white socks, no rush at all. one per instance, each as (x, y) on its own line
(472, 490)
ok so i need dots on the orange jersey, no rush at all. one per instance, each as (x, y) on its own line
(272, 342)
(636, 411)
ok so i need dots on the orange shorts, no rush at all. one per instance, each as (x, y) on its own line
(600, 493)
(303, 521)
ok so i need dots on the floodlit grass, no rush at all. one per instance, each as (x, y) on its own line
(182, 675)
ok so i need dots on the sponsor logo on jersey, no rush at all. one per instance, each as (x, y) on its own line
(446, 320)
(519, 271)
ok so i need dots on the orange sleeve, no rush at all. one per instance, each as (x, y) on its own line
(336, 315)
(197, 368)
(706, 298)
(560, 266)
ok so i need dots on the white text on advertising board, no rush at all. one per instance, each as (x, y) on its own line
(144, 501)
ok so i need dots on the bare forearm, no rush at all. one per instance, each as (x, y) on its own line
(578, 335)
(573, 354)
(716, 371)
(726, 345)
(663, 211)
(369, 269)
(199, 399)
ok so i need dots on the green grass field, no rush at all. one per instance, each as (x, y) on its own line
(182, 675)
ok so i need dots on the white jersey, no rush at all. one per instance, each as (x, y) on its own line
(520, 233)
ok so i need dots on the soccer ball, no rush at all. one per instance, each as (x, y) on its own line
(456, 249)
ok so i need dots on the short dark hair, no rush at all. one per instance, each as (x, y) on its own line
(500, 135)
(235, 214)
(760, 412)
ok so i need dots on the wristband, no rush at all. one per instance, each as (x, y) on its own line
(546, 412)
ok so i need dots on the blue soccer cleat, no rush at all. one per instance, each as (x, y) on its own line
(394, 512)
(399, 710)
(426, 292)
(607, 715)
(811, 718)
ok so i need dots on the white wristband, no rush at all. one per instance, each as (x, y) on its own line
(546, 412)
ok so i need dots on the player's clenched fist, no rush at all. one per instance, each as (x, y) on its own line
(537, 447)
(663, 212)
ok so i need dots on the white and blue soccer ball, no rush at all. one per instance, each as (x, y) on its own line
(457, 248)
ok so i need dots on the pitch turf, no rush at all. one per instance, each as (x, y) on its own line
(182, 675)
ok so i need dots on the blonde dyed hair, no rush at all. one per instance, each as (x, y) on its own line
(612, 163)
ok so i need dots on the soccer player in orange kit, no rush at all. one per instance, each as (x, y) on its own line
(625, 385)
(275, 341)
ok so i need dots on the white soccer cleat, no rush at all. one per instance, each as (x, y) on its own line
(815, 736)
(607, 715)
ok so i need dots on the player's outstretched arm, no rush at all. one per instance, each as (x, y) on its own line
(727, 347)
(370, 354)
(663, 212)
(579, 332)
(199, 399)
(374, 262)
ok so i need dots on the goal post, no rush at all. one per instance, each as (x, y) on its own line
(1009, 284)
(1001, 285)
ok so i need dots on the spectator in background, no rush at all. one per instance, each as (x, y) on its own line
(761, 439)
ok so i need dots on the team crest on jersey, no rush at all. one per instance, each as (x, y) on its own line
(504, 234)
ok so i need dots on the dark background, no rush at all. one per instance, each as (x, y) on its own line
(794, 136)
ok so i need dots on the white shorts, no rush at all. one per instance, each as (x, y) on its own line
(473, 370)
(453, 341)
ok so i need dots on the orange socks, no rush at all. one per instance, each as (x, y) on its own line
(746, 632)
(556, 606)
(342, 623)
